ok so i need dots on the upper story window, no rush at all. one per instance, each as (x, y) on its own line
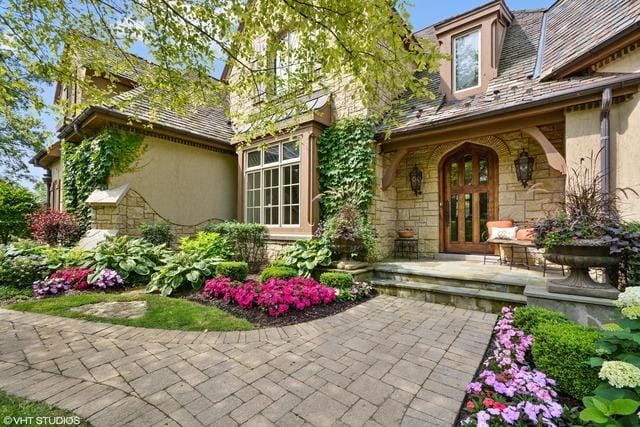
(284, 62)
(466, 60)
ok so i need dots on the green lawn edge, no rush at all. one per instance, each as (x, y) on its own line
(17, 407)
(162, 312)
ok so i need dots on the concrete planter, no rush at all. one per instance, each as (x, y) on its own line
(580, 257)
(345, 247)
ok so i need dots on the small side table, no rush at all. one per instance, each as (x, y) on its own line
(406, 248)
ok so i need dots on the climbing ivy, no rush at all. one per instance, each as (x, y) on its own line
(88, 166)
(346, 161)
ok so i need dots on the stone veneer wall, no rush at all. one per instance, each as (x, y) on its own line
(383, 211)
(133, 211)
(421, 212)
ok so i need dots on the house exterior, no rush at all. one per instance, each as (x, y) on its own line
(556, 85)
(186, 175)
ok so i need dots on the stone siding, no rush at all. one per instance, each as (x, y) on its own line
(523, 205)
(383, 210)
(132, 212)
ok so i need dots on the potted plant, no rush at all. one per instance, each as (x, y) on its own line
(577, 235)
(345, 231)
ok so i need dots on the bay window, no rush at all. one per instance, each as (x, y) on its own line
(272, 185)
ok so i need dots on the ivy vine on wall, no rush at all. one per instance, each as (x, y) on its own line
(346, 160)
(89, 164)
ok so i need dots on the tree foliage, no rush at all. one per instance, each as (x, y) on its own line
(15, 204)
(367, 40)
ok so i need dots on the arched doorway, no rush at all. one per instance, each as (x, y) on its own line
(468, 198)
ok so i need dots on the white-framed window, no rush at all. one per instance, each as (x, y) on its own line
(272, 185)
(466, 60)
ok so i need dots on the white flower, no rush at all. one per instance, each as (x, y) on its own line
(620, 374)
(629, 298)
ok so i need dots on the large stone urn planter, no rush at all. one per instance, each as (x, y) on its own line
(345, 247)
(580, 257)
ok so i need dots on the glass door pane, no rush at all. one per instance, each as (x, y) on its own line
(468, 217)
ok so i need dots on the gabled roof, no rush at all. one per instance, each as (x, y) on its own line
(514, 87)
(575, 28)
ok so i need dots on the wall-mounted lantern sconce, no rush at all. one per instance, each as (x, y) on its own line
(524, 167)
(416, 180)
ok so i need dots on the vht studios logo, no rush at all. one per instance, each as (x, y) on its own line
(41, 421)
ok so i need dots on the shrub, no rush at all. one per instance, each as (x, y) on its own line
(22, 270)
(337, 280)
(53, 227)
(236, 270)
(277, 272)
(248, 241)
(306, 255)
(527, 318)
(15, 204)
(206, 244)
(180, 270)
(560, 350)
(157, 234)
(133, 259)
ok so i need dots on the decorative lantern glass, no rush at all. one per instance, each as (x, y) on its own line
(524, 167)
(416, 180)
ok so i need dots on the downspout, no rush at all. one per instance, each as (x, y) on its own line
(605, 143)
(47, 183)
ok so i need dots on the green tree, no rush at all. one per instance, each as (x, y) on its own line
(16, 203)
(367, 40)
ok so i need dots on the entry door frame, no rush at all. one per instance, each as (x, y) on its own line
(492, 187)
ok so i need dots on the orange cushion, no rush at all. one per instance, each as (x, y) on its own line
(525, 234)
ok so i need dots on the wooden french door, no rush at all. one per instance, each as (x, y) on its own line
(468, 182)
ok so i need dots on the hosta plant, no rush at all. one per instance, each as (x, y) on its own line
(133, 259)
(180, 270)
(306, 255)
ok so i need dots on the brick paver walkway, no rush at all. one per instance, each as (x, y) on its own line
(386, 362)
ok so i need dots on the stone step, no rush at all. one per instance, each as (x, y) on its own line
(512, 285)
(457, 296)
(464, 257)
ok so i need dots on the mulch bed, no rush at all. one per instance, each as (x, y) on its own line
(261, 320)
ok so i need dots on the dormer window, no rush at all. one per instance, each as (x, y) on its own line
(466, 60)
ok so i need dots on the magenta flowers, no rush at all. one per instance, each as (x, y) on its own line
(508, 391)
(276, 296)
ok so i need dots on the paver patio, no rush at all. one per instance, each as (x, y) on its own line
(388, 361)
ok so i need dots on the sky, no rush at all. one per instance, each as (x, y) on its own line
(422, 14)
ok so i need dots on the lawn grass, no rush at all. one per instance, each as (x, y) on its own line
(12, 406)
(162, 312)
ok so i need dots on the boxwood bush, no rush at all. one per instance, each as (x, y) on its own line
(560, 350)
(337, 280)
(527, 318)
(157, 234)
(236, 270)
(278, 271)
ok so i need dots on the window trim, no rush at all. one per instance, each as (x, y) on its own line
(453, 58)
(276, 165)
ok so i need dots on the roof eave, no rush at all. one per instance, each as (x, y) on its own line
(618, 82)
(586, 59)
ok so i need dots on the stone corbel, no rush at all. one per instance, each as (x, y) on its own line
(554, 158)
(390, 173)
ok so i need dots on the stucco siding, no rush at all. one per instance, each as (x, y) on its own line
(583, 140)
(186, 185)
